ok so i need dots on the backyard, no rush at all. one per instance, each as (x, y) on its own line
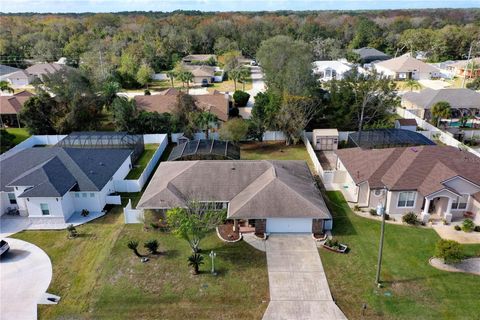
(142, 161)
(98, 277)
(412, 288)
(20, 134)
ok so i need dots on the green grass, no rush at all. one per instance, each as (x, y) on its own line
(142, 161)
(274, 151)
(20, 134)
(418, 291)
(98, 277)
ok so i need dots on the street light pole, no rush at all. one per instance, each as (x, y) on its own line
(213, 255)
(381, 210)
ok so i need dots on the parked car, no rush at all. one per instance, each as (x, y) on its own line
(4, 247)
(204, 83)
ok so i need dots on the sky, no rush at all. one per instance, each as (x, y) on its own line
(56, 6)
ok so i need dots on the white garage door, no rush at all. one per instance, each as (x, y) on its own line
(289, 225)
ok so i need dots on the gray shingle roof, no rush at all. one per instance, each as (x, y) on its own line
(4, 70)
(458, 98)
(254, 189)
(371, 54)
(53, 171)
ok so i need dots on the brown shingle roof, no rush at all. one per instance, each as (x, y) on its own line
(254, 189)
(422, 168)
(406, 64)
(13, 104)
(215, 103)
(41, 69)
(456, 97)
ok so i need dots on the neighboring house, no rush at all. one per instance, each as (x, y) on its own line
(10, 107)
(369, 55)
(218, 104)
(202, 74)
(6, 70)
(462, 101)
(199, 58)
(272, 196)
(406, 124)
(428, 180)
(15, 76)
(40, 69)
(50, 184)
(328, 70)
(460, 68)
(405, 68)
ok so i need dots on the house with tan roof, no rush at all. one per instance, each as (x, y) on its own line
(432, 181)
(469, 68)
(40, 69)
(199, 58)
(166, 102)
(462, 101)
(202, 74)
(270, 195)
(10, 107)
(405, 68)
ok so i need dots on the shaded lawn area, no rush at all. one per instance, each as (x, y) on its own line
(98, 277)
(20, 134)
(142, 161)
(418, 291)
(274, 151)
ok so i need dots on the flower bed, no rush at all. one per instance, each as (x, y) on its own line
(335, 246)
(226, 233)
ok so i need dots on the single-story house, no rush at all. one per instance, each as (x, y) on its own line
(273, 196)
(50, 184)
(405, 68)
(469, 68)
(328, 70)
(369, 55)
(6, 70)
(406, 124)
(202, 74)
(10, 106)
(198, 58)
(40, 69)
(438, 181)
(218, 104)
(460, 100)
(15, 76)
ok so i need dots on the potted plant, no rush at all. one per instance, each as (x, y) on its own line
(72, 231)
(85, 213)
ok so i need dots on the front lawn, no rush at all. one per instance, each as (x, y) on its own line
(413, 289)
(142, 161)
(274, 151)
(98, 277)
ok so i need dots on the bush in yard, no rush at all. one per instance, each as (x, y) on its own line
(240, 98)
(476, 229)
(195, 261)
(373, 212)
(133, 245)
(152, 246)
(72, 231)
(356, 207)
(457, 227)
(147, 92)
(410, 218)
(85, 213)
(468, 225)
(448, 250)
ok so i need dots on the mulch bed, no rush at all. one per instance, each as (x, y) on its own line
(227, 233)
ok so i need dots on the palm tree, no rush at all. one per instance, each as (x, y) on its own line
(244, 76)
(195, 261)
(133, 245)
(171, 75)
(235, 74)
(441, 110)
(5, 86)
(204, 119)
(413, 84)
(152, 246)
(186, 77)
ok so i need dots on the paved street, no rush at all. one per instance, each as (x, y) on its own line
(298, 285)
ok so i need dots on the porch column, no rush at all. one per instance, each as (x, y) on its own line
(448, 215)
(235, 225)
(425, 215)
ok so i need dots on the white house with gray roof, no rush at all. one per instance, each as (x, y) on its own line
(50, 184)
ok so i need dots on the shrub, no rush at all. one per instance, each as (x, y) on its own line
(356, 207)
(151, 246)
(133, 245)
(332, 244)
(234, 112)
(72, 231)
(468, 225)
(373, 212)
(448, 250)
(387, 216)
(195, 261)
(410, 218)
(240, 98)
(476, 229)
(147, 92)
(85, 213)
(457, 227)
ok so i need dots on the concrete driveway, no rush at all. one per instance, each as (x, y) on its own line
(11, 225)
(25, 274)
(258, 85)
(298, 285)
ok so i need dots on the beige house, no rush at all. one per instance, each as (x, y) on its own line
(202, 74)
(432, 181)
(406, 68)
(462, 101)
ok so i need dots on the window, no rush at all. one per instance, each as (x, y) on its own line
(12, 199)
(406, 199)
(84, 194)
(44, 208)
(92, 195)
(460, 203)
(77, 195)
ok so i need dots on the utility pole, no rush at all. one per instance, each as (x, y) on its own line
(381, 209)
(466, 66)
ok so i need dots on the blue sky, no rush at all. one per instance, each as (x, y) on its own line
(222, 5)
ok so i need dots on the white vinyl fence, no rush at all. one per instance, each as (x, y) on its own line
(48, 140)
(445, 137)
(130, 185)
(327, 176)
(132, 215)
(267, 136)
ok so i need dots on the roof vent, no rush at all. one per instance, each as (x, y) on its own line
(102, 164)
(91, 172)
(233, 168)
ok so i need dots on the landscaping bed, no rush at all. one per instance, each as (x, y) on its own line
(227, 234)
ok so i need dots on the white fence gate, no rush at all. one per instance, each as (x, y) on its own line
(132, 215)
